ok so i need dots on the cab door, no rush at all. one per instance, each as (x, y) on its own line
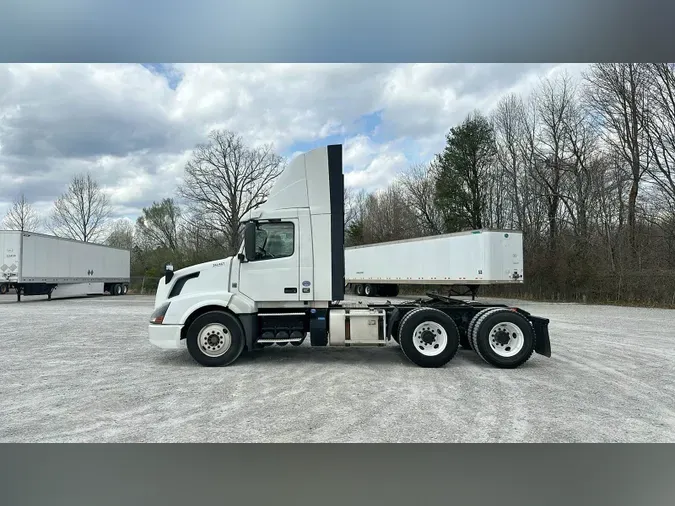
(274, 273)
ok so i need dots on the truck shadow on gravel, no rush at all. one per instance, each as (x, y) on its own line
(391, 355)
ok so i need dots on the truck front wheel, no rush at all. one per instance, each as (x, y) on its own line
(215, 339)
(428, 337)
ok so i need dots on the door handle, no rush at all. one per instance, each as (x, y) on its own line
(290, 290)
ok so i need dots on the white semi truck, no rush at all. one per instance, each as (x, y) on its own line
(465, 260)
(39, 264)
(287, 284)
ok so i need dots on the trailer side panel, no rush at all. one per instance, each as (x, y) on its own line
(50, 259)
(479, 257)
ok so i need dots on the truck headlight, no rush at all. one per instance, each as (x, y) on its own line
(158, 314)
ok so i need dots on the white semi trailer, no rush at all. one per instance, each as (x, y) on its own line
(39, 264)
(287, 284)
(460, 260)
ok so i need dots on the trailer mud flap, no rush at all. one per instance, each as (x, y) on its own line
(543, 343)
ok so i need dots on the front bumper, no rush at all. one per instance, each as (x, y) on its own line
(166, 336)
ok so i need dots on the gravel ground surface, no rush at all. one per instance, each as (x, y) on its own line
(82, 370)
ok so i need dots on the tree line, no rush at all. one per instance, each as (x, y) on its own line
(585, 168)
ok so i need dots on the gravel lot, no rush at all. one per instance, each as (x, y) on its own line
(82, 370)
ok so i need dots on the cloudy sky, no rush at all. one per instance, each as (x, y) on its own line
(134, 125)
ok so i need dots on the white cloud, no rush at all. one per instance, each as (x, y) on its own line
(126, 124)
(369, 165)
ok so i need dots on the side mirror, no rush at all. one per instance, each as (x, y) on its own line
(249, 240)
(168, 273)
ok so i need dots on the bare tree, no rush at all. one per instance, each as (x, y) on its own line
(617, 93)
(387, 217)
(510, 131)
(352, 200)
(121, 234)
(583, 169)
(22, 216)
(225, 179)
(159, 225)
(553, 100)
(82, 211)
(660, 121)
(419, 188)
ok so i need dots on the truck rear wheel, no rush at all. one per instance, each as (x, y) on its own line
(503, 338)
(472, 324)
(215, 339)
(428, 337)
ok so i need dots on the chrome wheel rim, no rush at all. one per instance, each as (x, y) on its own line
(430, 338)
(506, 339)
(214, 340)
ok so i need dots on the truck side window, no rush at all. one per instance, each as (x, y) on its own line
(274, 240)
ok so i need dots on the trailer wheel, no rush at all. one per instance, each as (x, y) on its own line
(215, 339)
(503, 338)
(370, 290)
(428, 337)
(125, 289)
(358, 289)
(3, 289)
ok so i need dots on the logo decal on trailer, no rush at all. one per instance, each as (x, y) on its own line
(306, 283)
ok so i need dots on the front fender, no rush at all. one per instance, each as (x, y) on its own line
(183, 306)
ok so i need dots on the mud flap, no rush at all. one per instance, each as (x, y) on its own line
(543, 342)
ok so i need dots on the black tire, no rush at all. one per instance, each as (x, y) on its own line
(472, 324)
(417, 317)
(358, 290)
(370, 290)
(125, 289)
(4, 288)
(480, 337)
(116, 290)
(234, 329)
